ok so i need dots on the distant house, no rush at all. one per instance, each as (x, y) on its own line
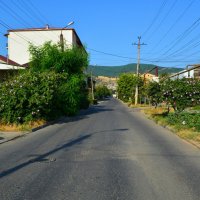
(7, 67)
(193, 72)
(150, 77)
(20, 39)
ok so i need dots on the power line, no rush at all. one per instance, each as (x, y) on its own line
(14, 14)
(36, 11)
(175, 22)
(19, 18)
(184, 35)
(155, 18)
(163, 19)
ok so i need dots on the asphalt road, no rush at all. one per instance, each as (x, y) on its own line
(109, 152)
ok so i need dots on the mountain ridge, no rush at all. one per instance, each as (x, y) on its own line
(115, 71)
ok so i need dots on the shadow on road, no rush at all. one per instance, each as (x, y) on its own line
(83, 114)
(43, 157)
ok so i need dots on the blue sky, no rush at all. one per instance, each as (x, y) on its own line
(108, 28)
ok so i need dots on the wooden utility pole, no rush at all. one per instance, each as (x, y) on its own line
(138, 66)
(62, 41)
(92, 86)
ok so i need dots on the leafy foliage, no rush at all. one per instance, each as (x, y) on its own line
(181, 93)
(187, 120)
(53, 86)
(153, 91)
(47, 95)
(101, 91)
(126, 86)
(29, 96)
(50, 57)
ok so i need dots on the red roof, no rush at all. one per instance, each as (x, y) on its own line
(8, 61)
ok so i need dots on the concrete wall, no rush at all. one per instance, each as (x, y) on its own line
(186, 74)
(18, 42)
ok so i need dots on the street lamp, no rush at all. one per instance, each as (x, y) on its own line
(61, 35)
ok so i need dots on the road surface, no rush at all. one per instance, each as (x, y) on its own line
(109, 152)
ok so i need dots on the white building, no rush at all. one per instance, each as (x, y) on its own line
(20, 39)
(193, 72)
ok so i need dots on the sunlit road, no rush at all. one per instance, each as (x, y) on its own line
(109, 152)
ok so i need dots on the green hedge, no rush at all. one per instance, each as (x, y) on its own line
(33, 95)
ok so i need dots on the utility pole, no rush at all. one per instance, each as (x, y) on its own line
(138, 66)
(92, 87)
(61, 41)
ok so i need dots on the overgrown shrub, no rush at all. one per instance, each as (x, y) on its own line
(126, 86)
(47, 95)
(101, 91)
(179, 93)
(153, 91)
(188, 120)
(51, 57)
(75, 94)
(53, 86)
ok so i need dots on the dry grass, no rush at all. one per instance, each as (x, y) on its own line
(21, 127)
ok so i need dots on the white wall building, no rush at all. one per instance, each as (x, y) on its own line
(20, 39)
(193, 72)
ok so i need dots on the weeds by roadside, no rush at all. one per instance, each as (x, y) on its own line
(21, 127)
(184, 124)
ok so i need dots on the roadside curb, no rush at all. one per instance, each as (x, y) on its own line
(13, 138)
(22, 134)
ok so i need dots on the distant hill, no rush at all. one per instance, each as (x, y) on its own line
(115, 71)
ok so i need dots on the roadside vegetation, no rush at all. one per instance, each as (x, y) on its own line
(172, 103)
(126, 86)
(101, 92)
(53, 86)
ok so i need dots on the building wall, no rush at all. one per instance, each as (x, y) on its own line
(18, 42)
(186, 74)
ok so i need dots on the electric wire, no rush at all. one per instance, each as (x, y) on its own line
(175, 22)
(155, 17)
(163, 19)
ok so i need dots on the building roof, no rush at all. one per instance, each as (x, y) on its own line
(8, 61)
(46, 28)
(4, 66)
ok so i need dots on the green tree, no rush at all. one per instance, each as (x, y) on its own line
(181, 93)
(51, 57)
(126, 86)
(53, 86)
(153, 92)
(101, 91)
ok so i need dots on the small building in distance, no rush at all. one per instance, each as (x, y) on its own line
(193, 72)
(150, 77)
(20, 39)
(8, 67)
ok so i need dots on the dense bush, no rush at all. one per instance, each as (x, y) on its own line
(126, 86)
(179, 93)
(53, 86)
(188, 120)
(51, 57)
(101, 91)
(153, 91)
(47, 95)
